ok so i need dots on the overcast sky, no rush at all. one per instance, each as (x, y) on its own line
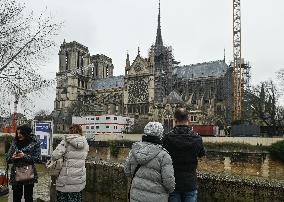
(197, 30)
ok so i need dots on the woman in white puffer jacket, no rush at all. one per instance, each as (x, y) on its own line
(72, 178)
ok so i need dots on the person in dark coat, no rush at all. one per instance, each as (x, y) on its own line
(24, 151)
(184, 146)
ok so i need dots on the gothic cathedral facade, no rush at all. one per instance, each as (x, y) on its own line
(151, 88)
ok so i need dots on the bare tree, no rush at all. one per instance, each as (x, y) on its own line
(265, 107)
(78, 108)
(84, 108)
(43, 115)
(280, 77)
(25, 40)
(128, 127)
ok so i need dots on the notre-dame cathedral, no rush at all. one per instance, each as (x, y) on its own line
(151, 88)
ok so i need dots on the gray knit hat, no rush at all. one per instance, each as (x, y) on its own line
(154, 129)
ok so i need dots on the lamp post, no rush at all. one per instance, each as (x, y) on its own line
(167, 119)
(14, 126)
(168, 122)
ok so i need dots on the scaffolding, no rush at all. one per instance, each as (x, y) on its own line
(162, 70)
(163, 65)
(246, 112)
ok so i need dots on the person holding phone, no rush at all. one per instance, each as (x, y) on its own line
(24, 152)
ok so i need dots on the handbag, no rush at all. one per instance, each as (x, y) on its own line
(54, 167)
(24, 173)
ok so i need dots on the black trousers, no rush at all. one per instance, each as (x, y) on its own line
(18, 192)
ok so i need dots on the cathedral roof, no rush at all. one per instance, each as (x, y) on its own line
(112, 82)
(201, 70)
(173, 98)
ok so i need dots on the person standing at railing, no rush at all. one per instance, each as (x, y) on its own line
(185, 147)
(72, 178)
(150, 167)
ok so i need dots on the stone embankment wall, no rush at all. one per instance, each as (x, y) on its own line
(244, 140)
(118, 151)
(213, 188)
(106, 182)
(137, 137)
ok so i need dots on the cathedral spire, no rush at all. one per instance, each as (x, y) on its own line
(127, 67)
(159, 40)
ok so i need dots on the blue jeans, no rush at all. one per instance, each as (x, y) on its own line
(183, 197)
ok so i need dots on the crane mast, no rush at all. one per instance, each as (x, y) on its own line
(237, 63)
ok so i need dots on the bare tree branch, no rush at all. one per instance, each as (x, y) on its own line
(25, 40)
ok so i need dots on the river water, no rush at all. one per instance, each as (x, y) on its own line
(258, 166)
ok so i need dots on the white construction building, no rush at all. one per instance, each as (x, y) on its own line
(104, 124)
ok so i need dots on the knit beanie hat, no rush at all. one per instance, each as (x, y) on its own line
(154, 129)
(25, 130)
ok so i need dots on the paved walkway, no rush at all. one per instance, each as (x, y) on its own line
(9, 198)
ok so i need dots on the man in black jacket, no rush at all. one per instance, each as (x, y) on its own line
(184, 146)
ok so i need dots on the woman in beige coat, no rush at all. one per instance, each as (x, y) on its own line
(72, 178)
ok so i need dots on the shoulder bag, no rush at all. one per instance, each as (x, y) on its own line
(135, 171)
(24, 173)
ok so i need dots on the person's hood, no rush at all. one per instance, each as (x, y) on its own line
(76, 140)
(184, 138)
(143, 152)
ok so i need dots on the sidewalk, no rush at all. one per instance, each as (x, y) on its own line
(10, 198)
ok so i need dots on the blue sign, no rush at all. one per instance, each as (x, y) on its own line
(43, 142)
(43, 131)
(43, 127)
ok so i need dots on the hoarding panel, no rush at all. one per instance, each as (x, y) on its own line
(43, 131)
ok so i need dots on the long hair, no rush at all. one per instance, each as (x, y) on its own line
(25, 130)
(75, 129)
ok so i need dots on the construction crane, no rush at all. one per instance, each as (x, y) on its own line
(237, 63)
